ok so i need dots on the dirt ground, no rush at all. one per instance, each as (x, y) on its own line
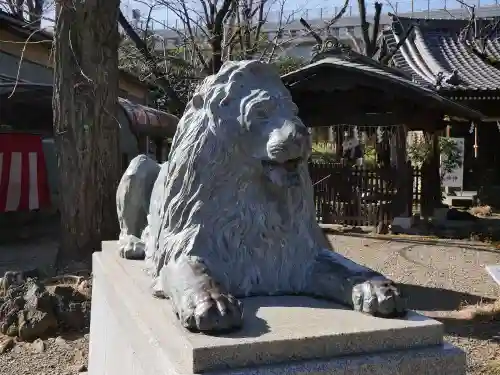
(438, 277)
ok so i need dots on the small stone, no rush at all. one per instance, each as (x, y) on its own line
(78, 356)
(38, 346)
(61, 342)
(34, 323)
(82, 368)
(6, 344)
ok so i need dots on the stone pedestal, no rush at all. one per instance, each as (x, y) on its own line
(132, 333)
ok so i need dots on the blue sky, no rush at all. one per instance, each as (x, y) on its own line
(317, 8)
(308, 9)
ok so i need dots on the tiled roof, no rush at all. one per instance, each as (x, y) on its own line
(390, 79)
(436, 57)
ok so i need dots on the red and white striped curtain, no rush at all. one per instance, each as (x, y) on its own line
(23, 173)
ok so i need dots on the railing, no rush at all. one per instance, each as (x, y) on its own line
(162, 18)
(416, 191)
(417, 8)
(360, 196)
(352, 195)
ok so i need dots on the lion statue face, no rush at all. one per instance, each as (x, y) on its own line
(252, 114)
(274, 136)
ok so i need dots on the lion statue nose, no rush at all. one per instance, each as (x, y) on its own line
(289, 141)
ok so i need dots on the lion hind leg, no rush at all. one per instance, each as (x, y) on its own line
(132, 204)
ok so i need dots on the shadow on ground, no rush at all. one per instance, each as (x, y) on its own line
(444, 300)
(438, 299)
(478, 329)
(416, 241)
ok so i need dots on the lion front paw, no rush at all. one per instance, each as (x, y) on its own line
(131, 247)
(378, 297)
(212, 311)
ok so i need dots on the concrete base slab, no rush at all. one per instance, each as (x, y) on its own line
(134, 333)
(494, 271)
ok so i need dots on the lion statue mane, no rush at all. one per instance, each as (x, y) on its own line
(231, 213)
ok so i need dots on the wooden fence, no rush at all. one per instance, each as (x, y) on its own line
(358, 196)
(416, 192)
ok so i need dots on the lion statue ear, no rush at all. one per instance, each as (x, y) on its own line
(197, 101)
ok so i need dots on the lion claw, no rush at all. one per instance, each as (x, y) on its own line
(214, 312)
(378, 297)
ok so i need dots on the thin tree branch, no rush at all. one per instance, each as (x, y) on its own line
(364, 24)
(339, 14)
(161, 80)
(376, 24)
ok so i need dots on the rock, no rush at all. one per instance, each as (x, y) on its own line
(18, 348)
(61, 342)
(38, 345)
(33, 308)
(85, 288)
(6, 344)
(78, 356)
(34, 323)
(72, 308)
(8, 313)
(82, 368)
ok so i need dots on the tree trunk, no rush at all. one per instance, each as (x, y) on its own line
(85, 125)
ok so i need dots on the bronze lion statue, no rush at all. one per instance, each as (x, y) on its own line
(231, 213)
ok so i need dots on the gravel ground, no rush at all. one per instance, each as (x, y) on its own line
(438, 277)
(57, 356)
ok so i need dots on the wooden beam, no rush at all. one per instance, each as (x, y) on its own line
(417, 122)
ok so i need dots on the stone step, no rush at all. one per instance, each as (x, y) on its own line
(278, 331)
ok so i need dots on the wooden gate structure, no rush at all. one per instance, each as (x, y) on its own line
(341, 86)
(353, 195)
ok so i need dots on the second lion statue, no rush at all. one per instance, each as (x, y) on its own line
(231, 213)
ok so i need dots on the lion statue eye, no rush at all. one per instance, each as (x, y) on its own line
(264, 109)
(261, 113)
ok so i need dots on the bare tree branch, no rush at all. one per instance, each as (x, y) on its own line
(355, 43)
(364, 24)
(372, 48)
(142, 47)
(217, 33)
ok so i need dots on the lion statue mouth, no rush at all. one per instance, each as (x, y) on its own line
(283, 174)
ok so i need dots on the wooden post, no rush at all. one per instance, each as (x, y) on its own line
(404, 181)
(338, 142)
(159, 149)
(431, 182)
